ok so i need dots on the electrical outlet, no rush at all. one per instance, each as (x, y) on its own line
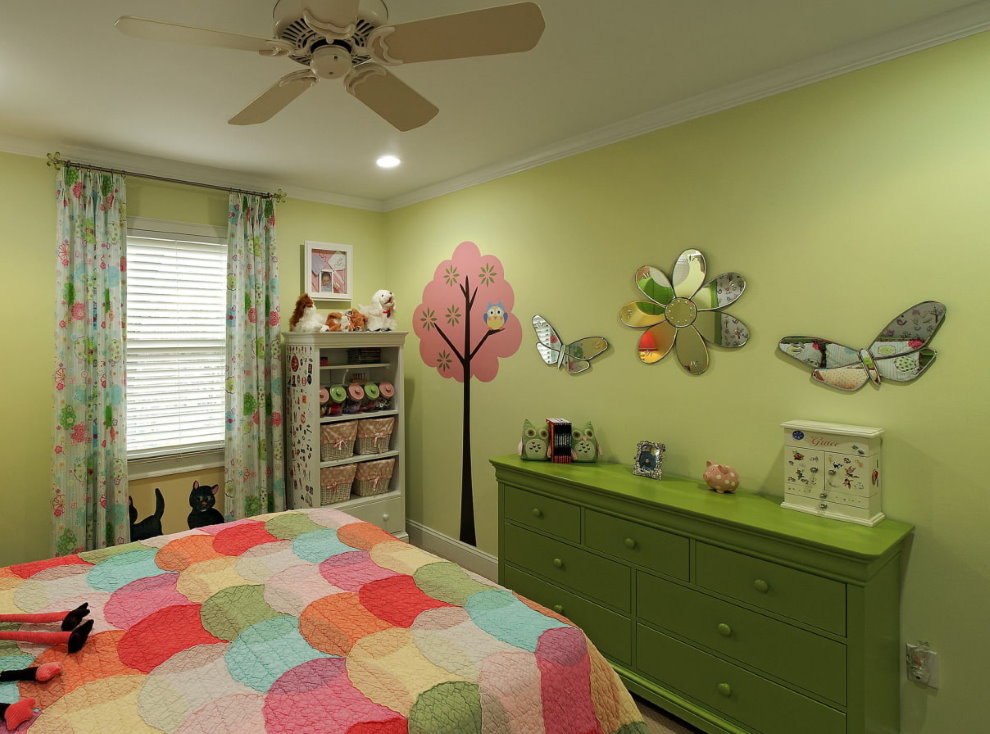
(921, 664)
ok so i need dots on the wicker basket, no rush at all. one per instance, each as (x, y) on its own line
(335, 483)
(337, 440)
(373, 477)
(374, 435)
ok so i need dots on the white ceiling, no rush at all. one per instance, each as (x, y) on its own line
(602, 71)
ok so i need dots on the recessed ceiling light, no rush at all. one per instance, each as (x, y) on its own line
(388, 161)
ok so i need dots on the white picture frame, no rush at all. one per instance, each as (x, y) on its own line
(328, 271)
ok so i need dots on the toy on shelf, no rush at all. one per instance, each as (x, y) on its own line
(585, 448)
(353, 320)
(721, 478)
(334, 319)
(380, 313)
(535, 443)
(305, 317)
(355, 397)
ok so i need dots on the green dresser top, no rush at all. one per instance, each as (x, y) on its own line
(692, 498)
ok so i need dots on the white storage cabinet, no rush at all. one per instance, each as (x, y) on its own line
(304, 375)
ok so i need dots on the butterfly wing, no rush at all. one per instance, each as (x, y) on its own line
(818, 353)
(849, 378)
(905, 367)
(549, 345)
(578, 355)
(909, 332)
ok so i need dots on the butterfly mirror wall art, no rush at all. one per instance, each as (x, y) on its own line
(900, 352)
(575, 357)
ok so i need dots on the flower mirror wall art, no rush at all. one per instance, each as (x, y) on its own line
(682, 313)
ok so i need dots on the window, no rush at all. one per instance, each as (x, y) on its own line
(176, 305)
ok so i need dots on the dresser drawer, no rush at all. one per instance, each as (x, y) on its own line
(737, 694)
(543, 513)
(591, 575)
(802, 596)
(611, 632)
(654, 549)
(803, 658)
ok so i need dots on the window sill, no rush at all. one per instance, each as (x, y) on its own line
(159, 466)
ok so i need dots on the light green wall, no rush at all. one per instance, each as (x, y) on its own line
(27, 284)
(842, 204)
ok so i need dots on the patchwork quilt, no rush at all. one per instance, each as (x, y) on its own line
(305, 621)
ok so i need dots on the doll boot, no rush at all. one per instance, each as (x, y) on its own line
(74, 634)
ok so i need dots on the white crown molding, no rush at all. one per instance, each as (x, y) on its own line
(951, 26)
(177, 169)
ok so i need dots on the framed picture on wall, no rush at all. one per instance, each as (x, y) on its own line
(328, 271)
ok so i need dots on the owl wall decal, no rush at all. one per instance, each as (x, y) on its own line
(535, 443)
(495, 316)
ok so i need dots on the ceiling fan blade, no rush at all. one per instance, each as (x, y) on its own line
(158, 30)
(332, 18)
(501, 30)
(394, 101)
(275, 98)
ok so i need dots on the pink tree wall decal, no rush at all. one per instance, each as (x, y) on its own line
(465, 324)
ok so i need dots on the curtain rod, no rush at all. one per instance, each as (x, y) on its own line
(55, 160)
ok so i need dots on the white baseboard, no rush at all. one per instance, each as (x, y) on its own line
(483, 564)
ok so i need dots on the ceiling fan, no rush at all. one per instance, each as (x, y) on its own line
(350, 39)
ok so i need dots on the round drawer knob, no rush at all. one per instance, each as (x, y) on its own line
(630, 542)
(724, 689)
(559, 608)
(558, 563)
(725, 630)
(537, 512)
(761, 586)
(384, 517)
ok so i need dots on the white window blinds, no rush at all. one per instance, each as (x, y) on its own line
(176, 303)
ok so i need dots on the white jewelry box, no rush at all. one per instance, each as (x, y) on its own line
(833, 470)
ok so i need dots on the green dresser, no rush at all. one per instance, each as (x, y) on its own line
(736, 615)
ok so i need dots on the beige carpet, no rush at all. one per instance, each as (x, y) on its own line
(661, 723)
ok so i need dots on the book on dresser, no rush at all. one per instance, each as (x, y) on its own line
(726, 610)
(344, 432)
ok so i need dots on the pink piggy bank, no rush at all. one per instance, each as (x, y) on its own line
(721, 478)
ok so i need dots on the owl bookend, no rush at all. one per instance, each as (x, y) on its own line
(535, 443)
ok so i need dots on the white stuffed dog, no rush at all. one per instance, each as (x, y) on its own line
(381, 312)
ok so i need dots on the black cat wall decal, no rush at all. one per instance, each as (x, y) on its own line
(202, 500)
(151, 526)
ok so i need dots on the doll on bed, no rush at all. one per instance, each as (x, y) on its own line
(74, 634)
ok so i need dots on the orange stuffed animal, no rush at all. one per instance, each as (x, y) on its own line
(334, 319)
(354, 320)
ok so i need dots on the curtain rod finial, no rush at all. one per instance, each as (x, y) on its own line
(55, 160)
(280, 196)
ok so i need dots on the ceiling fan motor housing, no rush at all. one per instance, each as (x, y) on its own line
(291, 26)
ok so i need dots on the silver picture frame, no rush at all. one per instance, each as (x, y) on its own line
(648, 461)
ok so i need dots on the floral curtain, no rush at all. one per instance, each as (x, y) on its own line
(89, 468)
(255, 481)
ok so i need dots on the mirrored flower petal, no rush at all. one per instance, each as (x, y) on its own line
(721, 329)
(656, 342)
(689, 273)
(723, 290)
(641, 313)
(691, 350)
(654, 284)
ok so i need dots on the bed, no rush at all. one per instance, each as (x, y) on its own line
(302, 621)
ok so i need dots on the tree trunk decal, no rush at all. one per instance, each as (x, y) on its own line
(468, 295)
